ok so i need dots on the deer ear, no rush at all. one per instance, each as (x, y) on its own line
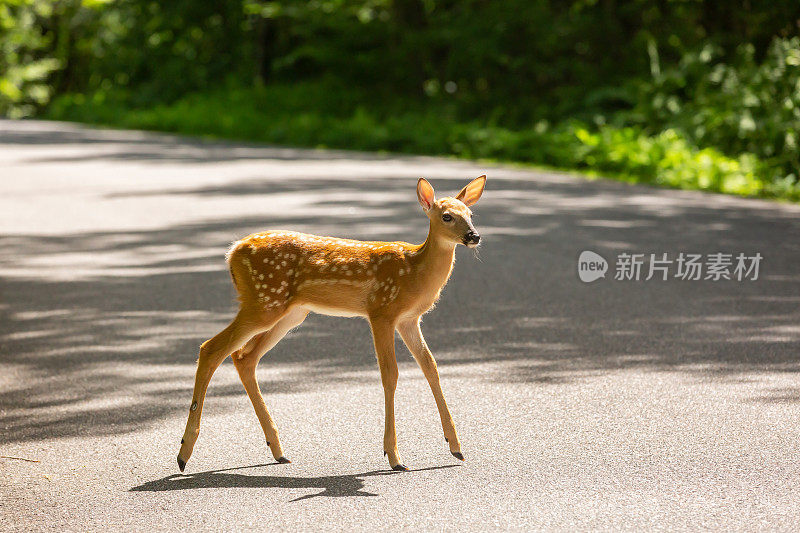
(425, 194)
(472, 192)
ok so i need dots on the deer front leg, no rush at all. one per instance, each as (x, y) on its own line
(383, 336)
(411, 334)
(246, 361)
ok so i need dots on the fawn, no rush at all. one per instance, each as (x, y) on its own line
(280, 276)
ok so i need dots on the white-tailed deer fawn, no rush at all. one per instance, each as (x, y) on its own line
(280, 276)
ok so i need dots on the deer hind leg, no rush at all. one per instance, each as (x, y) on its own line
(411, 334)
(212, 353)
(246, 361)
(383, 336)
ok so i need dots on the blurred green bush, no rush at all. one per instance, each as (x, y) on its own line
(741, 106)
(697, 94)
(26, 65)
(286, 114)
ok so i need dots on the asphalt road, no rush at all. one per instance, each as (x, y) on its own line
(635, 405)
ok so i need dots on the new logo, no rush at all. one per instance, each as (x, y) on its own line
(591, 266)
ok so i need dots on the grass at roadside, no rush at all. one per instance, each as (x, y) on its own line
(316, 115)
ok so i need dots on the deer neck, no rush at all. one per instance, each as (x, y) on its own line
(434, 261)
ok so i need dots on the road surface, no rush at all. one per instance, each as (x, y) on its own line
(616, 404)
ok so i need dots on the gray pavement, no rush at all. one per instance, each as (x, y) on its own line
(615, 405)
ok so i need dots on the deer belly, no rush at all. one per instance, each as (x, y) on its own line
(333, 297)
(330, 310)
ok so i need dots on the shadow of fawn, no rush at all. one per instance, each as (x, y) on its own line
(332, 486)
(281, 276)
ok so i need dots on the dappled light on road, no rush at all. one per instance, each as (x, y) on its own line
(132, 305)
(112, 265)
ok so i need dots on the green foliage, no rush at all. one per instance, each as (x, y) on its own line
(45, 49)
(163, 50)
(23, 72)
(515, 61)
(699, 94)
(741, 106)
(669, 159)
(329, 115)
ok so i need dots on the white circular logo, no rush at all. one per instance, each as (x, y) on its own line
(591, 266)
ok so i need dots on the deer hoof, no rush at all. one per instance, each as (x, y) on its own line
(181, 464)
(458, 455)
(283, 460)
(400, 468)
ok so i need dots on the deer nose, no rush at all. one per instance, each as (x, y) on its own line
(472, 238)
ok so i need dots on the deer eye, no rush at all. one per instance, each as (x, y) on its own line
(447, 217)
